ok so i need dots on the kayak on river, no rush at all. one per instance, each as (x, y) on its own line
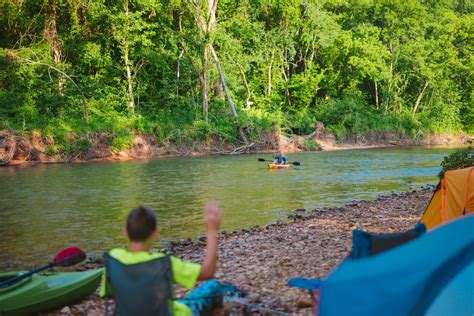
(274, 166)
(44, 291)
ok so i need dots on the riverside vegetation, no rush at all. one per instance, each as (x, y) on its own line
(183, 72)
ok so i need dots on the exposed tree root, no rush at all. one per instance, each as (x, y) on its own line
(13, 146)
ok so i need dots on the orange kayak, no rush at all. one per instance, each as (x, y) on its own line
(273, 166)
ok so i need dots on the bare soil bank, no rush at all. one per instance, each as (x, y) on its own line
(261, 260)
(36, 148)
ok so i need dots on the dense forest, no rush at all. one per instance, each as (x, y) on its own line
(196, 69)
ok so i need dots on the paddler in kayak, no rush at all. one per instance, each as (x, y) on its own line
(280, 158)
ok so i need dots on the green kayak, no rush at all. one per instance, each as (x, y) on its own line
(45, 291)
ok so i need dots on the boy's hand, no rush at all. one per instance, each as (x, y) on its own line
(212, 220)
(212, 216)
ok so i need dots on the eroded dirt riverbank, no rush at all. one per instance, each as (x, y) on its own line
(35, 148)
(262, 259)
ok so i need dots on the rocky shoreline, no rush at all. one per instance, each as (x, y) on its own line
(261, 260)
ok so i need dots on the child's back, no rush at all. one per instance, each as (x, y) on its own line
(134, 267)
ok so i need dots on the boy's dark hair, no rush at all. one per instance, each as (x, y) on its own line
(141, 223)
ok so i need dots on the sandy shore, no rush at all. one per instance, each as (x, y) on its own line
(262, 259)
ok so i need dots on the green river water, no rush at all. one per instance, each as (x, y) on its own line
(45, 208)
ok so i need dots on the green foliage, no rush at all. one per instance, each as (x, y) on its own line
(310, 144)
(461, 158)
(303, 88)
(202, 130)
(357, 66)
(350, 115)
(51, 150)
(75, 146)
(122, 140)
(302, 122)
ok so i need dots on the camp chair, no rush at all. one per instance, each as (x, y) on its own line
(365, 244)
(146, 289)
(430, 275)
(139, 289)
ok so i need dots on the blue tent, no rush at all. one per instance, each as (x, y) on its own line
(431, 275)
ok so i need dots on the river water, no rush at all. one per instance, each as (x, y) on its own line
(45, 208)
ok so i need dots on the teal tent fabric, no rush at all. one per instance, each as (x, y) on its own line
(457, 298)
(421, 276)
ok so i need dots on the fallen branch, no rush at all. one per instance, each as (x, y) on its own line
(245, 148)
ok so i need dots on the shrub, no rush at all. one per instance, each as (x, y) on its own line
(202, 130)
(81, 144)
(122, 140)
(351, 114)
(310, 144)
(461, 158)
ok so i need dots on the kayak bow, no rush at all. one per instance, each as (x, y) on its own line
(273, 166)
(45, 291)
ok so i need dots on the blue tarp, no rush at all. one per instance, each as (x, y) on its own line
(433, 274)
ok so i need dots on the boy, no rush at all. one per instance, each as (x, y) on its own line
(142, 232)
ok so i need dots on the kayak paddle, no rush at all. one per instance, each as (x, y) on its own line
(295, 163)
(65, 258)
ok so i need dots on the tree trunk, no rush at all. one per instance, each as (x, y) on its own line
(224, 86)
(178, 71)
(390, 83)
(284, 64)
(211, 27)
(376, 95)
(312, 52)
(205, 25)
(131, 100)
(285, 77)
(247, 99)
(198, 74)
(179, 59)
(269, 91)
(235, 117)
(418, 100)
(205, 101)
(212, 7)
(50, 33)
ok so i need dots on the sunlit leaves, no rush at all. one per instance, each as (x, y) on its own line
(280, 56)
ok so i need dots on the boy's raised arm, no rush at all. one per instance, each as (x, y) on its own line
(212, 220)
